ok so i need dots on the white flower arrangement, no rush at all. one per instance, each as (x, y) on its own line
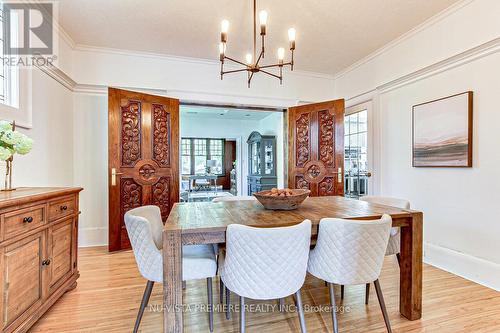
(12, 142)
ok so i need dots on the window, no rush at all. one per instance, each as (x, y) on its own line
(356, 154)
(195, 152)
(9, 75)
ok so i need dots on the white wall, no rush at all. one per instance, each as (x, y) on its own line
(50, 162)
(456, 52)
(90, 157)
(195, 79)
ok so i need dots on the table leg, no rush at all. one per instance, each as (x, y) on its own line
(172, 281)
(410, 292)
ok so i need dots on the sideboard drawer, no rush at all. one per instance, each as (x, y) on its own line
(20, 221)
(61, 208)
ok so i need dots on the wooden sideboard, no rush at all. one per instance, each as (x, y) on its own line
(38, 252)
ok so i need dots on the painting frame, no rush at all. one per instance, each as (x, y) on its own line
(468, 109)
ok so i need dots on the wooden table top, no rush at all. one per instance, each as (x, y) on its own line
(196, 217)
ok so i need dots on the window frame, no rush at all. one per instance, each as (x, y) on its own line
(207, 155)
(9, 74)
(17, 103)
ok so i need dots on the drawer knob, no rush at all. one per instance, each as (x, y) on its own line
(28, 219)
(62, 208)
(46, 262)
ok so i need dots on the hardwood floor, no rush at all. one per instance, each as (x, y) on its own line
(110, 288)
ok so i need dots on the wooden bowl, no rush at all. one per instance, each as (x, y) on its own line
(288, 202)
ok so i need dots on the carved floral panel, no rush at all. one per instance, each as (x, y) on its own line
(302, 128)
(301, 183)
(147, 171)
(161, 196)
(130, 194)
(130, 133)
(314, 171)
(326, 187)
(326, 135)
(161, 135)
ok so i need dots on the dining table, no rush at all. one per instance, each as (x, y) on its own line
(206, 222)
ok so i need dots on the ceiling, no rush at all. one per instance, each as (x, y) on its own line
(331, 34)
(222, 113)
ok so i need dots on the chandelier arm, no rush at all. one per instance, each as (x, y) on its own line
(236, 61)
(250, 78)
(235, 71)
(261, 56)
(275, 65)
(269, 73)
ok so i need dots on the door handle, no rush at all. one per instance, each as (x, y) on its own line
(113, 176)
(339, 175)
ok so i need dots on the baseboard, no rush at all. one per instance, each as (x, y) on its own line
(469, 267)
(88, 237)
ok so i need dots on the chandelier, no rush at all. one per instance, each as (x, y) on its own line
(252, 62)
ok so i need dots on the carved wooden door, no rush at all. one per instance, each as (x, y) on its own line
(316, 148)
(143, 141)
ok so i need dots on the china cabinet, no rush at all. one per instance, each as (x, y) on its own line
(261, 162)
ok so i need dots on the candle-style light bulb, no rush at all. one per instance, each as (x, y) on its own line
(281, 54)
(248, 58)
(224, 28)
(222, 50)
(263, 21)
(291, 38)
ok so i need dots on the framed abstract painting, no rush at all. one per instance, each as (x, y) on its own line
(442, 132)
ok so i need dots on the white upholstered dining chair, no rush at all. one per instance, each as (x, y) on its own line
(394, 245)
(145, 227)
(218, 248)
(351, 252)
(266, 263)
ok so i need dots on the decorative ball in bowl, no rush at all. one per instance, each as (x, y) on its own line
(282, 199)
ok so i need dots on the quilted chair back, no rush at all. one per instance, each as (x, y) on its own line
(234, 198)
(387, 201)
(350, 251)
(394, 245)
(144, 228)
(266, 263)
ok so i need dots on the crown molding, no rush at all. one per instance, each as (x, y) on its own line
(65, 36)
(59, 76)
(454, 61)
(457, 60)
(423, 26)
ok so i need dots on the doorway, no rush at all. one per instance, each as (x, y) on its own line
(214, 149)
(358, 162)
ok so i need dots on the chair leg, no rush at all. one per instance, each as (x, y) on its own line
(341, 292)
(367, 294)
(398, 256)
(334, 308)
(210, 304)
(282, 304)
(301, 312)
(144, 303)
(221, 291)
(382, 305)
(228, 304)
(242, 314)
